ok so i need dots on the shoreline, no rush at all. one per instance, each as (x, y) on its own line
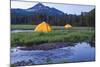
(47, 46)
(50, 46)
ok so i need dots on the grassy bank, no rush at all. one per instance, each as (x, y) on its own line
(18, 27)
(33, 38)
(28, 27)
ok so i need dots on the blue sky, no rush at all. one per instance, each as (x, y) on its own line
(66, 8)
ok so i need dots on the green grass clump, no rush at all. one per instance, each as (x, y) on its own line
(36, 38)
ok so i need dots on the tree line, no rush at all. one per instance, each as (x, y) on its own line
(85, 19)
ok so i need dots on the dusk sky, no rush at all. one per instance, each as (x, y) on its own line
(66, 8)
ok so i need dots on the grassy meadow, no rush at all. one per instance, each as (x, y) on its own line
(58, 34)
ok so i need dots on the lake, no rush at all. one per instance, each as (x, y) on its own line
(79, 53)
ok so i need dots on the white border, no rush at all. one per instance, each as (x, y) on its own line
(5, 33)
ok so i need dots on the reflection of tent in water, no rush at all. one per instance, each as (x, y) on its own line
(68, 26)
(43, 27)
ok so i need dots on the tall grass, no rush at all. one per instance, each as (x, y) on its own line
(36, 38)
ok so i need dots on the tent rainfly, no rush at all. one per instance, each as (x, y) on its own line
(68, 26)
(43, 27)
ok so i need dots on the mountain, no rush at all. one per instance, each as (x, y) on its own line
(38, 8)
(37, 13)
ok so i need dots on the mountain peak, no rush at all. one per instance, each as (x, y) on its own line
(39, 5)
(41, 8)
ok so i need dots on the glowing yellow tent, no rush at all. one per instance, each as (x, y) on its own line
(68, 26)
(43, 27)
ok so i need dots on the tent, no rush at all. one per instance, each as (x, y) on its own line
(43, 27)
(68, 26)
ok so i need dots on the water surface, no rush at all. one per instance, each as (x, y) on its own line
(16, 31)
(79, 52)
